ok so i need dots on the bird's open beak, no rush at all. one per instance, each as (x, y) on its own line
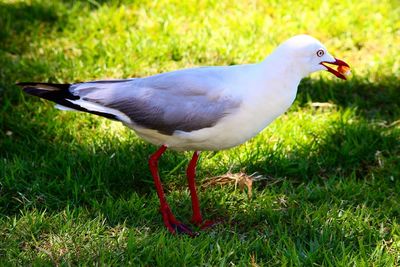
(342, 70)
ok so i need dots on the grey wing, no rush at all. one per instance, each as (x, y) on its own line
(185, 100)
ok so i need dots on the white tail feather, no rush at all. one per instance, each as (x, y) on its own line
(61, 107)
(96, 107)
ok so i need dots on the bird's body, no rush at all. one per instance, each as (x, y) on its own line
(193, 109)
(209, 109)
(205, 108)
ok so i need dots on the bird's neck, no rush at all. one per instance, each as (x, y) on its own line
(281, 71)
(284, 66)
(278, 81)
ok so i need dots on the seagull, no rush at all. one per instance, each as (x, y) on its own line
(198, 109)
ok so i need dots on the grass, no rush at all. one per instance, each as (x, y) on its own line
(75, 188)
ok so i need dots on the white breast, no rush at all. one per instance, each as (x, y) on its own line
(237, 128)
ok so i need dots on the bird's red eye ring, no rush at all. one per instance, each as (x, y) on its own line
(320, 53)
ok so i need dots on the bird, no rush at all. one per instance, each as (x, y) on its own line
(198, 109)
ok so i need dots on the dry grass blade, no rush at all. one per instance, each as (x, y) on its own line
(253, 261)
(240, 179)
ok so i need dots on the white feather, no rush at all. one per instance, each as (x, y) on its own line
(96, 107)
(61, 107)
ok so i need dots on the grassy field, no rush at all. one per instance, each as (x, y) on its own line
(75, 188)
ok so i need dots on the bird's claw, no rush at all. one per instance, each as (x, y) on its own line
(184, 229)
(175, 226)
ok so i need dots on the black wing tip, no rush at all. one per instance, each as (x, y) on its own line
(25, 84)
(61, 86)
(50, 91)
(59, 94)
(29, 88)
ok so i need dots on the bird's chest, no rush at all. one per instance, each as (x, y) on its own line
(255, 114)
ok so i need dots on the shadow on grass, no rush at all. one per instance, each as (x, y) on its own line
(20, 22)
(55, 162)
(53, 169)
(348, 148)
(374, 100)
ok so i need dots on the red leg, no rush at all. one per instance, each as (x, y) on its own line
(169, 219)
(191, 175)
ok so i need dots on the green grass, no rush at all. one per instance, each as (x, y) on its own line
(75, 188)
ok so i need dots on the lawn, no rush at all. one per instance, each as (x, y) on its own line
(76, 189)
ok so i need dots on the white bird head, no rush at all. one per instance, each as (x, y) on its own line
(307, 55)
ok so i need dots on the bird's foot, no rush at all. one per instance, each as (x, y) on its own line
(183, 229)
(175, 226)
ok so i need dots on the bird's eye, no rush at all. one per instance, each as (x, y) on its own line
(320, 53)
